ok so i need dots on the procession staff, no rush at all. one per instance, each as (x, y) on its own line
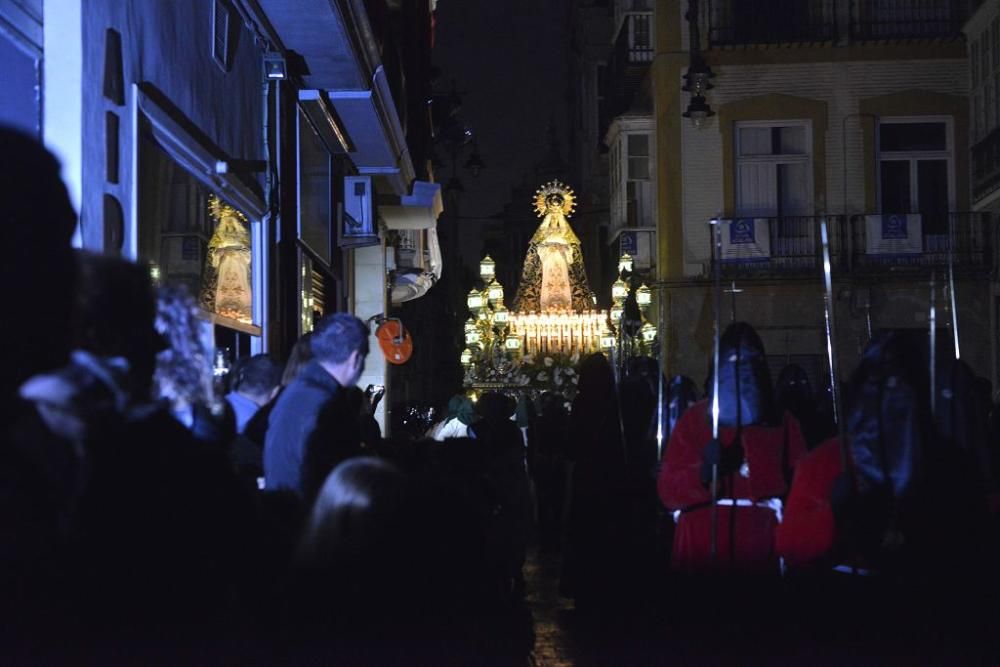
(717, 231)
(951, 284)
(831, 337)
(663, 370)
(932, 337)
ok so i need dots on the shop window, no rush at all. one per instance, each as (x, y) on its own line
(191, 236)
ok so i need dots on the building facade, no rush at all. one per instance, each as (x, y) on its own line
(283, 148)
(847, 111)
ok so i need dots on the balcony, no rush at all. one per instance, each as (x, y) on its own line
(860, 244)
(986, 165)
(973, 250)
(739, 22)
(630, 59)
(907, 19)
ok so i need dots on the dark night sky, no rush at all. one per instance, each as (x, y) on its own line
(510, 58)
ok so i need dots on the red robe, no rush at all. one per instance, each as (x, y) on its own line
(807, 534)
(745, 534)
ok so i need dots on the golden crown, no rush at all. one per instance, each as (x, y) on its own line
(554, 188)
(220, 209)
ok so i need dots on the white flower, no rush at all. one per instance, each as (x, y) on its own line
(541, 376)
(549, 361)
(570, 372)
(575, 358)
(527, 359)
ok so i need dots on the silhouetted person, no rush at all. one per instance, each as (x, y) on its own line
(599, 491)
(37, 280)
(549, 467)
(793, 392)
(501, 446)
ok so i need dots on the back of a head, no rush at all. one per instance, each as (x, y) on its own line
(183, 369)
(597, 379)
(355, 527)
(115, 315)
(745, 391)
(38, 274)
(494, 407)
(336, 336)
(300, 355)
(258, 375)
(792, 390)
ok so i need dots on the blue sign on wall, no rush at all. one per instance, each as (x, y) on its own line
(742, 231)
(629, 243)
(894, 227)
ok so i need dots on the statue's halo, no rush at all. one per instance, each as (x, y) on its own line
(550, 188)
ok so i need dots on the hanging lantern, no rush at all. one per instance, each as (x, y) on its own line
(643, 296)
(619, 290)
(625, 263)
(472, 338)
(616, 312)
(501, 315)
(495, 292)
(474, 300)
(607, 340)
(466, 357)
(513, 342)
(487, 269)
(648, 333)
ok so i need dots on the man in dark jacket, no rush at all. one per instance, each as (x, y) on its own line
(314, 424)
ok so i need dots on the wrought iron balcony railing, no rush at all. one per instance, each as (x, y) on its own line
(922, 241)
(874, 243)
(907, 19)
(741, 22)
(779, 245)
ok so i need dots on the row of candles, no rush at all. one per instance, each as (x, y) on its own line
(563, 332)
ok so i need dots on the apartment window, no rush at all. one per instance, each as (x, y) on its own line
(986, 50)
(638, 190)
(774, 169)
(974, 63)
(989, 112)
(223, 34)
(916, 169)
(995, 29)
(640, 36)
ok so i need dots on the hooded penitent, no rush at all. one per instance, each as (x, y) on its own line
(682, 393)
(887, 419)
(745, 392)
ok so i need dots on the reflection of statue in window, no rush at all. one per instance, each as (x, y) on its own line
(553, 277)
(226, 287)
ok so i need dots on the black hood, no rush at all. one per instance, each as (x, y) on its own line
(887, 417)
(681, 394)
(745, 393)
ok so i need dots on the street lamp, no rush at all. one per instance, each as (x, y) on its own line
(487, 268)
(698, 79)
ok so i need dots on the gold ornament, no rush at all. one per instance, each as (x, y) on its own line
(220, 209)
(555, 192)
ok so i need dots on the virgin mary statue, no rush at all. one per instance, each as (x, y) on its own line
(553, 277)
(227, 278)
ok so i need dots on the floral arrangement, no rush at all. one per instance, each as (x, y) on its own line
(541, 372)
